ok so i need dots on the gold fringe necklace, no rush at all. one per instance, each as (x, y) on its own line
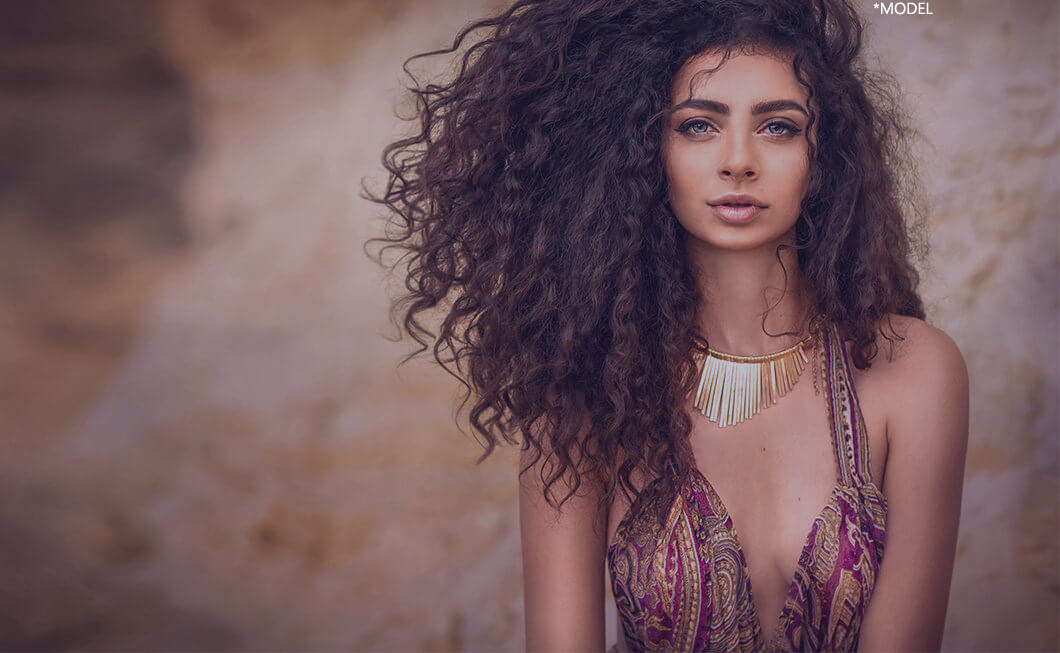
(734, 388)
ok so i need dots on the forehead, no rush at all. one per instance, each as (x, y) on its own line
(744, 76)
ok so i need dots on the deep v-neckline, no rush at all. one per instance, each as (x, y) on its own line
(771, 637)
(849, 454)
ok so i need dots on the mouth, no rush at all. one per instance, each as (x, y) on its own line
(736, 213)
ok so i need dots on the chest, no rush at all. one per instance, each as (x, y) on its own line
(785, 459)
(778, 467)
(775, 477)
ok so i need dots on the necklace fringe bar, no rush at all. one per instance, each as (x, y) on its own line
(734, 388)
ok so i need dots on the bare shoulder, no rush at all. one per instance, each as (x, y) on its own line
(926, 399)
(924, 372)
(910, 348)
(563, 553)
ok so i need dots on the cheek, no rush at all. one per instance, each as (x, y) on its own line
(792, 174)
(686, 172)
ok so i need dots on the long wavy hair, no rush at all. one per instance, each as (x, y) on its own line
(531, 207)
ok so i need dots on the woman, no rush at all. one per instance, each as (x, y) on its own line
(651, 221)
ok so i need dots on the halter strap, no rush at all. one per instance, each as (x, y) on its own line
(848, 424)
(849, 440)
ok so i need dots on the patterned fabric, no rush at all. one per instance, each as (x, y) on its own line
(679, 575)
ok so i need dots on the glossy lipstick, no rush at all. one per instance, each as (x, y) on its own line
(737, 208)
(741, 214)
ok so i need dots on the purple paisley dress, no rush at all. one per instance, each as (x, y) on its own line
(678, 573)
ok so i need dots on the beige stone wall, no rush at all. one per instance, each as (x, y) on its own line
(204, 442)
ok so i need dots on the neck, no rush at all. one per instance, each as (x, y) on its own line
(738, 286)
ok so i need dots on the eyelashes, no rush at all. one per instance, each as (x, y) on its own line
(788, 128)
(686, 127)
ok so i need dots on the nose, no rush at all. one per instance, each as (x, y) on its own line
(738, 162)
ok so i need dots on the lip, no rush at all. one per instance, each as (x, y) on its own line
(736, 214)
(738, 198)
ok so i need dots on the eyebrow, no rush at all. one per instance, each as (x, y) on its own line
(761, 107)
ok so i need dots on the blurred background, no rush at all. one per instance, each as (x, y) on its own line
(205, 443)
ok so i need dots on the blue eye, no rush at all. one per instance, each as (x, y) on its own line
(687, 127)
(701, 126)
(788, 129)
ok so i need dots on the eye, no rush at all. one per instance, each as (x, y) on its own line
(787, 129)
(687, 127)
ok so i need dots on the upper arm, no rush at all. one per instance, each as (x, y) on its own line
(563, 565)
(927, 430)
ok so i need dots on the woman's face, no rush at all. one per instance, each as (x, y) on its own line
(742, 132)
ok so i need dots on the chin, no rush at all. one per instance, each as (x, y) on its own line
(740, 238)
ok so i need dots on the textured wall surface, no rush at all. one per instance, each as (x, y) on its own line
(204, 442)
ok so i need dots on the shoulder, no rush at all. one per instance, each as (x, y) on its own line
(927, 431)
(562, 551)
(926, 379)
(912, 352)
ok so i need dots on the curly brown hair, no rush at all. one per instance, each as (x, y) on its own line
(532, 203)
